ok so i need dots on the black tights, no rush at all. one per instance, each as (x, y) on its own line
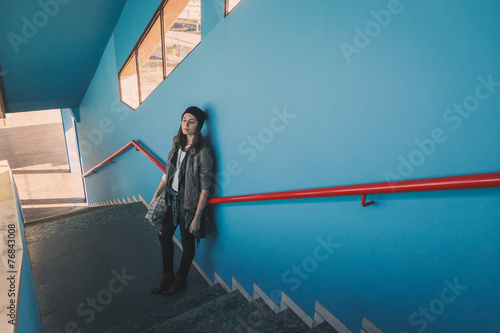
(167, 245)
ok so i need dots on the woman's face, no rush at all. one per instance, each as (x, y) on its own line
(189, 124)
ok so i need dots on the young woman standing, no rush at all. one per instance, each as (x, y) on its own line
(187, 181)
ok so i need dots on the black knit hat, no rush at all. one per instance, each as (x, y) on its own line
(198, 114)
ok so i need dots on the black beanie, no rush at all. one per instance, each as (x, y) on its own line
(198, 114)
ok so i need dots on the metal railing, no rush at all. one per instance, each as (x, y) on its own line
(483, 180)
(137, 146)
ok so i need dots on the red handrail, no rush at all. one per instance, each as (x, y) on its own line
(483, 180)
(126, 147)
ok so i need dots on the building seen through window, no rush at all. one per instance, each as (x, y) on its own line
(172, 34)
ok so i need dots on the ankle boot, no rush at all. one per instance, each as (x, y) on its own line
(180, 283)
(166, 281)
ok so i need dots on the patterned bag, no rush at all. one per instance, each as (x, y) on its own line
(157, 210)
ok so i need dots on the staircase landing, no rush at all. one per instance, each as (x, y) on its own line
(34, 144)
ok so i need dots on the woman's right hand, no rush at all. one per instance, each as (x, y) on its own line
(159, 190)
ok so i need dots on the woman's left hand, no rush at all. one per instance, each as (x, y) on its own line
(195, 224)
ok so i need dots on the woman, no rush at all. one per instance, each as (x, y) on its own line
(187, 180)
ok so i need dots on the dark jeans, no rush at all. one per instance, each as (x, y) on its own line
(167, 245)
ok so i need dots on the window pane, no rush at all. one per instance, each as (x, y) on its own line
(183, 30)
(128, 84)
(151, 61)
(230, 4)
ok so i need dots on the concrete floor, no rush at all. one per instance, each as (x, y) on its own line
(34, 145)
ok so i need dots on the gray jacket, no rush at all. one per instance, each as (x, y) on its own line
(198, 174)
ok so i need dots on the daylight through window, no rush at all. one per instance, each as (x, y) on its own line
(230, 4)
(172, 34)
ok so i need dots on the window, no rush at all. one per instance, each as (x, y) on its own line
(151, 60)
(172, 34)
(183, 26)
(129, 86)
(230, 4)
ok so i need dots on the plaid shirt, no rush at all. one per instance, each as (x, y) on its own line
(205, 227)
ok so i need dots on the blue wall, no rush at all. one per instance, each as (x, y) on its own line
(318, 93)
(71, 141)
(55, 46)
(28, 320)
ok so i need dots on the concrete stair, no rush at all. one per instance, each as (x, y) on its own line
(81, 252)
(214, 310)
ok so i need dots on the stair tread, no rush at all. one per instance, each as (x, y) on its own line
(90, 210)
(83, 210)
(284, 322)
(169, 311)
(206, 314)
(81, 220)
(246, 317)
(323, 328)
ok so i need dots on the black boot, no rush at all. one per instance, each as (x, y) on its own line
(166, 281)
(180, 283)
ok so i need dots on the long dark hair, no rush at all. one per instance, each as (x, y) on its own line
(198, 141)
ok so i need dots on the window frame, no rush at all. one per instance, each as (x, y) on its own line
(158, 14)
(226, 6)
(129, 60)
(138, 45)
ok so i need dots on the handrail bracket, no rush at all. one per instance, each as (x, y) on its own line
(364, 203)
